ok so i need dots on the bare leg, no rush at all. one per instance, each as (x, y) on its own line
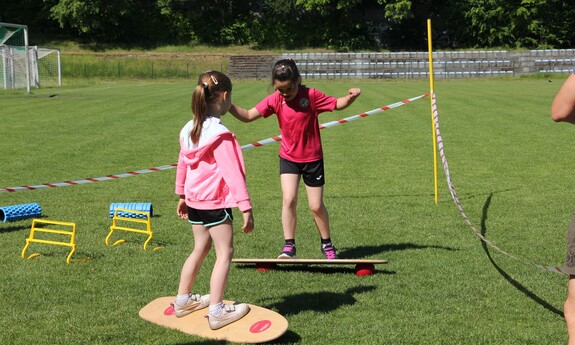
(223, 238)
(192, 265)
(319, 211)
(290, 184)
(569, 310)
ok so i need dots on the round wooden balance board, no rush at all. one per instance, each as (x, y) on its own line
(363, 267)
(258, 326)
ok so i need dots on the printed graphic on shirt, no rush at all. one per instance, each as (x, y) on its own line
(304, 103)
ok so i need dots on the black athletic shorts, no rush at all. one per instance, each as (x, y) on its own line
(209, 217)
(312, 172)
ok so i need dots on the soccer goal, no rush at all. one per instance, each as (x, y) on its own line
(46, 67)
(24, 66)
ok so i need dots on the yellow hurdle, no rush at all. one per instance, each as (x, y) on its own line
(38, 229)
(115, 226)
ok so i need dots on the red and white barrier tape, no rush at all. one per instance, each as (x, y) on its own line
(88, 180)
(440, 147)
(171, 166)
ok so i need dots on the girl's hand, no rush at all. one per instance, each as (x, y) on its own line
(354, 92)
(182, 209)
(248, 222)
(347, 100)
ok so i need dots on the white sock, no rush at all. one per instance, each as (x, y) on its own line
(181, 300)
(216, 309)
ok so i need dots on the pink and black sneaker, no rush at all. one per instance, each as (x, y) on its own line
(288, 251)
(329, 251)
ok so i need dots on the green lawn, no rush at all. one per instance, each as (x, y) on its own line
(510, 163)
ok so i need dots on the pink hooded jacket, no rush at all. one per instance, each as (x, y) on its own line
(211, 174)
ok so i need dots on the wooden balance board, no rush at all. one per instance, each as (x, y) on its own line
(258, 326)
(363, 267)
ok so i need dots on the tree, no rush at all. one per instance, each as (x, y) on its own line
(33, 13)
(337, 24)
(516, 23)
(122, 22)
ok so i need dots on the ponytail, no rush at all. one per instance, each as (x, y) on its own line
(210, 85)
(199, 108)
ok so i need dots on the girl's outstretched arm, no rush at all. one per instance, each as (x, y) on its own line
(244, 115)
(347, 100)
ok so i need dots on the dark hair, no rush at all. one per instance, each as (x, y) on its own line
(285, 69)
(210, 85)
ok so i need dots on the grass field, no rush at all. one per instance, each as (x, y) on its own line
(511, 166)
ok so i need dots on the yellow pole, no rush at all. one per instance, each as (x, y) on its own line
(431, 97)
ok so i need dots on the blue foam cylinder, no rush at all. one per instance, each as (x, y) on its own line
(18, 212)
(136, 206)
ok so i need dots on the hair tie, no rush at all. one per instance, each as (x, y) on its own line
(206, 90)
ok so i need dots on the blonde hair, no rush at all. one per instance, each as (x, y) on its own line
(210, 85)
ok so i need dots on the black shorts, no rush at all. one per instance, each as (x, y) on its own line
(312, 172)
(209, 217)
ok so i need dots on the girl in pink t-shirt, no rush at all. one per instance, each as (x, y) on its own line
(297, 108)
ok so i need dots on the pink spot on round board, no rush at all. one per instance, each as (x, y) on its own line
(260, 326)
(169, 310)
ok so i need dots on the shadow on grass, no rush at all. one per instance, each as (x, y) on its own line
(367, 251)
(205, 342)
(313, 268)
(320, 302)
(24, 224)
(289, 337)
(505, 275)
(478, 195)
(13, 228)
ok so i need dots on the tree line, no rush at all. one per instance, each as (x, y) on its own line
(342, 25)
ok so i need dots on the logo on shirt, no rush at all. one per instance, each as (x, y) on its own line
(304, 103)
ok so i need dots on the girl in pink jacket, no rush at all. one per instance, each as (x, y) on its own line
(210, 180)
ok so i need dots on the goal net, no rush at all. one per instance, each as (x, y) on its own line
(24, 66)
(46, 67)
(15, 60)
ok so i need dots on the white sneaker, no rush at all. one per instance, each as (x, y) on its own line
(230, 313)
(195, 302)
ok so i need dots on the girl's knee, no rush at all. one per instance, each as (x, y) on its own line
(225, 254)
(318, 208)
(290, 202)
(201, 251)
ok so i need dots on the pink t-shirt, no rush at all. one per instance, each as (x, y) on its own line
(298, 121)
